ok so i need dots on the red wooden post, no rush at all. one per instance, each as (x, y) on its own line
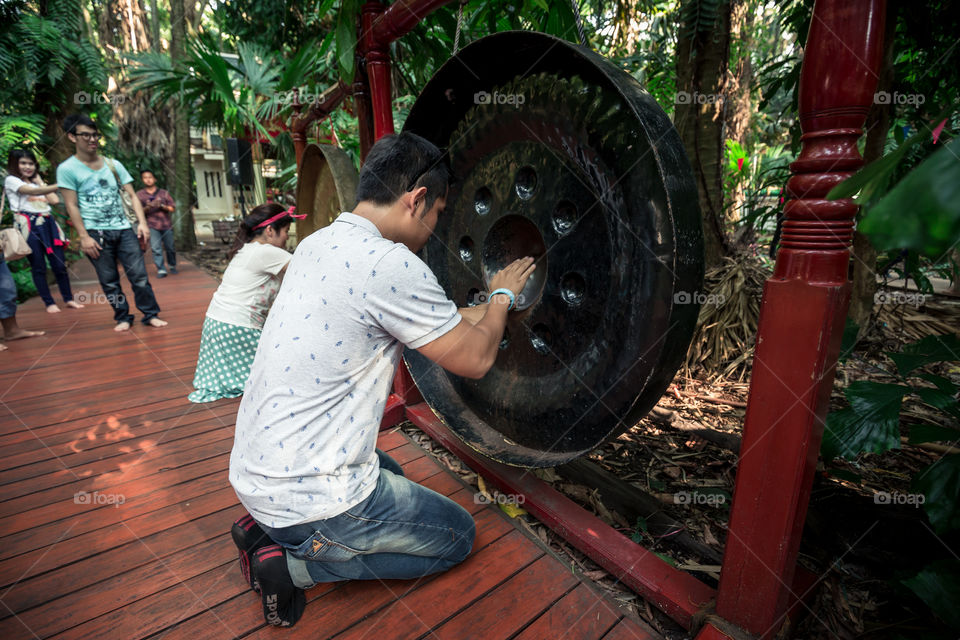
(801, 320)
(377, 56)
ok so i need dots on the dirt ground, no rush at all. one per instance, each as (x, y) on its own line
(858, 548)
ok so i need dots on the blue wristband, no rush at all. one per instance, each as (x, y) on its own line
(507, 293)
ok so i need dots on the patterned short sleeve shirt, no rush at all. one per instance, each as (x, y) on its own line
(307, 427)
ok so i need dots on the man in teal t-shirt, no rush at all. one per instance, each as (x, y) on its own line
(91, 194)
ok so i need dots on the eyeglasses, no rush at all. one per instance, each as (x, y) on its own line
(89, 136)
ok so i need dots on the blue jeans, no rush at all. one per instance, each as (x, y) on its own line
(161, 241)
(8, 291)
(122, 245)
(41, 238)
(402, 530)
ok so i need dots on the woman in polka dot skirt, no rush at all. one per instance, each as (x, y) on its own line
(240, 305)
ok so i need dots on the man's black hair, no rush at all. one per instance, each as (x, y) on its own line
(150, 171)
(72, 121)
(400, 163)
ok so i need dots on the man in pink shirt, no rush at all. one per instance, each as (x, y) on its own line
(157, 206)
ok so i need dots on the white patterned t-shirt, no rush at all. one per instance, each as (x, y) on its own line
(307, 427)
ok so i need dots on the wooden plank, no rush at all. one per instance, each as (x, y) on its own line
(628, 629)
(415, 613)
(77, 546)
(42, 536)
(120, 590)
(114, 476)
(578, 615)
(175, 433)
(132, 556)
(133, 491)
(501, 613)
(103, 423)
(99, 441)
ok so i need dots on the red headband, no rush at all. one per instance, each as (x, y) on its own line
(282, 214)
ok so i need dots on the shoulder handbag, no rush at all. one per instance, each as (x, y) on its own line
(125, 198)
(14, 246)
(12, 243)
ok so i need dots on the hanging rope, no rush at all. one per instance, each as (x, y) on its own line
(456, 38)
(579, 21)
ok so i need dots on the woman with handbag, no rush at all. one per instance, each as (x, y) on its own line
(30, 199)
(97, 192)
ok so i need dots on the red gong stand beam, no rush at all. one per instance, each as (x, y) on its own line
(801, 319)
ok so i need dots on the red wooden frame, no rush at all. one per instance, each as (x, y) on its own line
(801, 322)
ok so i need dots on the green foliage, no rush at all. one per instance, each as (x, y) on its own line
(940, 485)
(20, 132)
(41, 47)
(930, 193)
(22, 276)
(698, 17)
(938, 585)
(929, 350)
(870, 424)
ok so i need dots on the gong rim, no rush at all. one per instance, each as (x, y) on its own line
(326, 187)
(474, 412)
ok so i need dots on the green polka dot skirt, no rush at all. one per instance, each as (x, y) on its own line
(223, 366)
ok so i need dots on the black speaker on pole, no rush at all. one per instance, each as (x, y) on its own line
(239, 161)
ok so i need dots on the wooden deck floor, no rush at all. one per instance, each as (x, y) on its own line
(115, 507)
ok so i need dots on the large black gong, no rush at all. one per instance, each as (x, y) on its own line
(559, 154)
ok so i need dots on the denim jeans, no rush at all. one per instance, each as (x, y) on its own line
(122, 245)
(402, 530)
(41, 238)
(161, 241)
(8, 291)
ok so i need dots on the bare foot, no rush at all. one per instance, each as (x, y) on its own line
(122, 326)
(73, 304)
(53, 308)
(157, 322)
(3, 347)
(20, 334)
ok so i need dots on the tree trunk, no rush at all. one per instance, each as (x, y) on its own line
(183, 230)
(864, 256)
(155, 25)
(702, 54)
(740, 108)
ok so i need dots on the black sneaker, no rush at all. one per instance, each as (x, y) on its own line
(283, 601)
(248, 536)
(173, 270)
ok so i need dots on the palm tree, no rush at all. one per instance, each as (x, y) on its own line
(236, 94)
